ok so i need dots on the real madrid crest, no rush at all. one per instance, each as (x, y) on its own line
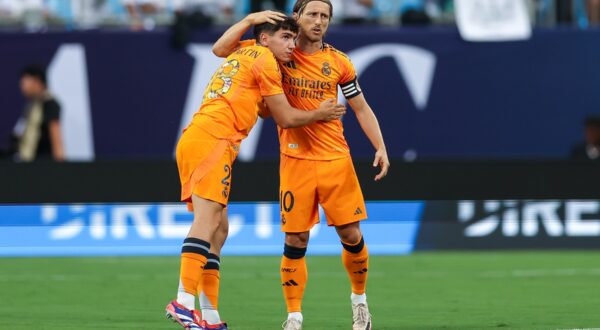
(326, 69)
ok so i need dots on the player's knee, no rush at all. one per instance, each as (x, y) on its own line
(293, 252)
(223, 229)
(297, 239)
(349, 234)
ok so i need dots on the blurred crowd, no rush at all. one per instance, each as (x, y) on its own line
(41, 15)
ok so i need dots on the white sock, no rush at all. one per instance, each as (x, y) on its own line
(211, 316)
(184, 298)
(358, 298)
(296, 315)
(187, 300)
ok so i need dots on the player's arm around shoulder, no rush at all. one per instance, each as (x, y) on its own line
(268, 77)
(230, 40)
(369, 124)
(287, 116)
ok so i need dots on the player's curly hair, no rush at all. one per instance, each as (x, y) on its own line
(301, 4)
(288, 24)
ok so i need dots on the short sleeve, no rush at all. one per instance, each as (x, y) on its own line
(51, 111)
(267, 73)
(348, 80)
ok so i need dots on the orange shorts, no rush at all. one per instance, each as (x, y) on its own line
(304, 184)
(204, 164)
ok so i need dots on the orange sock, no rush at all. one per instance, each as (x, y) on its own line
(209, 290)
(293, 277)
(356, 260)
(193, 258)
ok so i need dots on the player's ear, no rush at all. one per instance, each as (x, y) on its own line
(263, 38)
(295, 16)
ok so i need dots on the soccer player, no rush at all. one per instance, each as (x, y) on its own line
(316, 167)
(209, 145)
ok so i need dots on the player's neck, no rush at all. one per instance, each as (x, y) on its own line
(308, 46)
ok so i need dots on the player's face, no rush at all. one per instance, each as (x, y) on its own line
(282, 44)
(314, 20)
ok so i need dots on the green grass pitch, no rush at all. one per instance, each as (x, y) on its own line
(459, 290)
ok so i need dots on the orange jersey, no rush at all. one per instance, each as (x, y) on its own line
(308, 80)
(229, 106)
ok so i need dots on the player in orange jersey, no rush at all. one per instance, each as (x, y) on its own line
(320, 153)
(209, 145)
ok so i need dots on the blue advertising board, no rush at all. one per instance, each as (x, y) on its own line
(159, 229)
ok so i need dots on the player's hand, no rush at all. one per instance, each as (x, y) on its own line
(381, 159)
(330, 110)
(264, 17)
(263, 110)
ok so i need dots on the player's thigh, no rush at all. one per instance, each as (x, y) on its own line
(215, 185)
(339, 192)
(207, 218)
(297, 195)
(205, 166)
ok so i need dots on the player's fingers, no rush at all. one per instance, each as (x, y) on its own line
(335, 115)
(377, 160)
(278, 15)
(274, 17)
(384, 169)
(383, 172)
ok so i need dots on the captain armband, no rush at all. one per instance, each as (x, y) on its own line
(351, 88)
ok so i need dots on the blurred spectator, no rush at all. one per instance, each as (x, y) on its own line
(197, 14)
(440, 10)
(32, 14)
(590, 148)
(356, 11)
(412, 12)
(86, 14)
(260, 5)
(593, 8)
(37, 133)
(564, 11)
(144, 13)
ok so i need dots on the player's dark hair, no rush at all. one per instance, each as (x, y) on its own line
(301, 4)
(36, 71)
(288, 24)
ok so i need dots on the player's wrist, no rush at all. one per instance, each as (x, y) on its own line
(320, 114)
(247, 21)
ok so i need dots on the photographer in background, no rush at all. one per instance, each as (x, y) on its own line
(36, 135)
